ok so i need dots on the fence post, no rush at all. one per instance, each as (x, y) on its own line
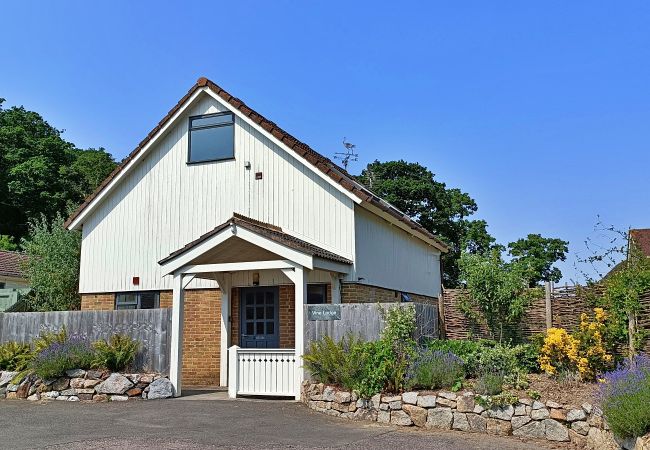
(549, 308)
(442, 327)
(233, 374)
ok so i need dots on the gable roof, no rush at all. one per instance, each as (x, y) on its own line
(266, 230)
(10, 264)
(641, 237)
(318, 161)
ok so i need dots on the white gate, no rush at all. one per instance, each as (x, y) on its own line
(262, 371)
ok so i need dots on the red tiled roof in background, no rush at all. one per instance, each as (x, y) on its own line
(641, 237)
(322, 163)
(10, 264)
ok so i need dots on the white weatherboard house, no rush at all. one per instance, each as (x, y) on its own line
(235, 225)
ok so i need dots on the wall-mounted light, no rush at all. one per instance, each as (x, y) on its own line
(247, 165)
(256, 278)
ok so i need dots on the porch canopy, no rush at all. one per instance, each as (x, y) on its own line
(244, 244)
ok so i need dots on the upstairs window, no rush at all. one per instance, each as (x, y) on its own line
(212, 138)
(137, 300)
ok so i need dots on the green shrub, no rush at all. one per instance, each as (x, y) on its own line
(499, 359)
(468, 350)
(74, 353)
(332, 362)
(376, 360)
(489, 383)
(15, 356)
(117, 353)
(496, 401)
(398, 335)
(47, 338)
(527, 356)
(434, 369)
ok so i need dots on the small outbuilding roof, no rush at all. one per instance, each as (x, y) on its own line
(10, 264)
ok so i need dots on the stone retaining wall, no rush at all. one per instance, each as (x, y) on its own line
(583, 425)
(82, 385)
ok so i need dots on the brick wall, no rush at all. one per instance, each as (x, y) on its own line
(363, 293)
(201, 331)
(97, 302)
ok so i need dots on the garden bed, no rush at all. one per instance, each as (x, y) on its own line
(85, 385)
(443, 410)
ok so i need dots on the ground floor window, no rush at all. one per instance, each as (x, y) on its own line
(316, 294)
(137, 300)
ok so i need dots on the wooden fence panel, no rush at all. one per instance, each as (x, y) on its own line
(364, 321)
(151, 327)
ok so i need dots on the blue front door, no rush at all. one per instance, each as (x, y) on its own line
(259, 317)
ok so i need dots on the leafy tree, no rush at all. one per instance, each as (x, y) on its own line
(53, 265)
(7, 243)
(40, 172)
(537, 255)
(443, 211)
(496, 293)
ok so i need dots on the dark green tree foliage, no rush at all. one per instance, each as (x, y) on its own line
(444, 211)
(537, 255)
(40, 172)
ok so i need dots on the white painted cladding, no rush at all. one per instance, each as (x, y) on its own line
(389, 257)
(164, 203)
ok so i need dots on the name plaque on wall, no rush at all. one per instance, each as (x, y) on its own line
(323, 312)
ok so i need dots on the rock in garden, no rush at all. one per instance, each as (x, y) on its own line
(61, 384)
(525, 401)
(465, 403)
(587, 407)
(446, 402)
(94, 374)
(540, 414)
(160, 388)
(383, 417)
(115, 384)
(580, 427)
(476, 423)
(460, 422)
(426, 401)
(342, 397)
(400, 418)
(91, 383)
(328, 394)
(6, 377)
(100, 398)
(77, 383)
(601, 440)
(555, 431)
(341, 407)
(34, 397)
(119, 398)
(68, 392)
(447, 395)
(558, 414)
(439, 418)
(375, 400)
(575, 414)
(391, 398)
(366, 414)
(149, 378)
(417, 414)
(499, 427)
(503, 413)
(552, 404)
(478, 409)
(134, 392)
(531, 430)
(642, 443)
(410, 398)
(51, 394)
(23, 390)
(62, 398)
(395, 405)
(520, 410)
(519, 421)
(12, 387)
(364, 403)
(73, 398)
(537, 404)
(75, 373)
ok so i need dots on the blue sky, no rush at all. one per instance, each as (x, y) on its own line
(540, 110)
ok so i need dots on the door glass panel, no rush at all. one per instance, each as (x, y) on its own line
(260, 328)
(250, 329)
(270, 298)
(270, 312)
(249, 313)
(259, 312)
(270, 327)
(249, 299)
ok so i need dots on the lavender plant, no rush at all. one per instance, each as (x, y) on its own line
(73, 353)
(625, 396)
(434, 369)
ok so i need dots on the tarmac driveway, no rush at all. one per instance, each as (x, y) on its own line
(189, 424)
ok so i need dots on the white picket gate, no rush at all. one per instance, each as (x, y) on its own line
(262, 371)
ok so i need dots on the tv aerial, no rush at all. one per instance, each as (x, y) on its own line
(348, 155)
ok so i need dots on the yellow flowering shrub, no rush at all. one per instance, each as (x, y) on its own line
(583, 352)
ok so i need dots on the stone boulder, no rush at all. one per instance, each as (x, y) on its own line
(440, 418)
(115, 384)
(418, 415)
(555, 431)
(531, 430)
(6, 377)
(160, 388)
